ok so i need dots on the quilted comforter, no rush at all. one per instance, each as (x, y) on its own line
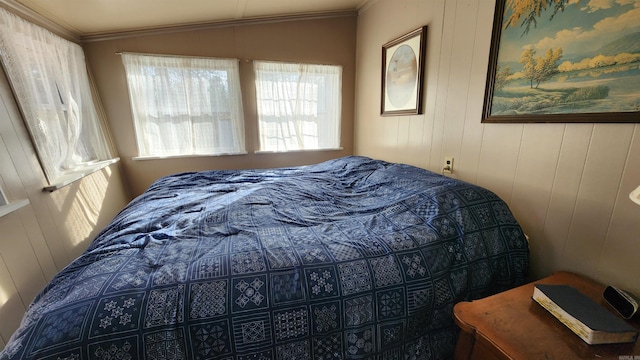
(348, 259)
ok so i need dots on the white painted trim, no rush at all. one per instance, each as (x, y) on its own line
(297, 151)
(137, 158)
(79, 174)
(102, 36)
(13, 206)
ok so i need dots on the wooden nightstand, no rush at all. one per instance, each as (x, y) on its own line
(510, 325)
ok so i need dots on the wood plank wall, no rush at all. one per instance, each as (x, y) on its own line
(41, 238)
(568, 184)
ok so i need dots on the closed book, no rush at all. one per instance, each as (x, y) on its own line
(591, 322)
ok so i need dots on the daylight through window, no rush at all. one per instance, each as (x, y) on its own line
(185, 105)
(49, 77)
(299, 106)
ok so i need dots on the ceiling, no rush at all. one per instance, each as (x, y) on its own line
(88, 17)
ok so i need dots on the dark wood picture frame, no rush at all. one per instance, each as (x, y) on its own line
(565, 112)
(403, 74)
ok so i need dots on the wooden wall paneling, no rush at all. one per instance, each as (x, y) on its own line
(535, 174)
(38, 242)
(78, 207)
(404, 20)
(433, 11)
(32, 178)
(389, 136)
(49, 219)
(468, 162)
(444, 76)
(499, 158)
(368, 89)
(9, 179)
(414, 147)
(618, 262)
(563, 195)
(598, 189)
(490, 150)
(404, 129)
(11, 307)
(394, 133)
(41, 238)
(408, 139)
(20, 260)
(15, 191)
(369, 61)
(457, 92)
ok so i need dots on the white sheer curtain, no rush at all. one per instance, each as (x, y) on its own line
(299, 105)
(185, 105)
(49, 77)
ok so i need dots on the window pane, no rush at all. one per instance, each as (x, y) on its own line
(49, 77)
(185, 105)
(299, 106)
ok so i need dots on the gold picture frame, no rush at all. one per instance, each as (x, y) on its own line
(403, 74)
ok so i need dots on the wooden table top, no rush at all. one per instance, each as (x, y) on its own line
(522, 329)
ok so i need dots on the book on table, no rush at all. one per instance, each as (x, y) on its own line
(591, 322)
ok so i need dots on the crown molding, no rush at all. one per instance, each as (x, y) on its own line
(365, 5)
(159, 30)
(32, 16)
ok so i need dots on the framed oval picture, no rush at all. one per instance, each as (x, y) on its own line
(402, 74)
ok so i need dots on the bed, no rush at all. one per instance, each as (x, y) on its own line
(352, 258)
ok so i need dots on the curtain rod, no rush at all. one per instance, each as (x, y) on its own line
(182, 56)
(212, 57)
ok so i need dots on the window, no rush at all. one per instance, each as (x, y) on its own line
(299, 106)
(49, 78)
(185, 105)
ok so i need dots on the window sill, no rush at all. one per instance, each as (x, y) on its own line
(79, 174)
(142, 158)
(296, 151)
(13, 206)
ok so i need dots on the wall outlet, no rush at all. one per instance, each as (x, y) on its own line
(447, 167)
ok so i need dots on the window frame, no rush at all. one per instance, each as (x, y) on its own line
(336, 125)
(89, 148)
(236, 110)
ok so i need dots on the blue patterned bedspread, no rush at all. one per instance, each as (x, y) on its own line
(348, 259)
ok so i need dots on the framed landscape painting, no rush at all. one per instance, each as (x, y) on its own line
(564, 61)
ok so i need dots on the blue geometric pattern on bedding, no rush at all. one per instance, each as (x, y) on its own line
(353, 258)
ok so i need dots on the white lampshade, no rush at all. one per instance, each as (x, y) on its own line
(635, 195)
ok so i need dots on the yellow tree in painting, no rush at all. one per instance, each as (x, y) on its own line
(540, 69)
(527, 59)
(529, 10)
